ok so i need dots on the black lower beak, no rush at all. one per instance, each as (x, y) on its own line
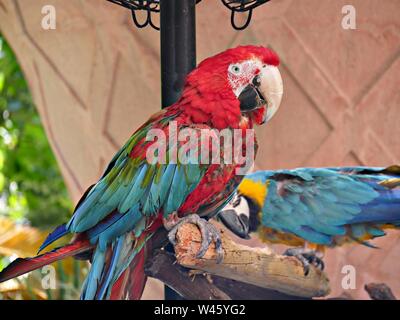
(251, 98)
(238, 224)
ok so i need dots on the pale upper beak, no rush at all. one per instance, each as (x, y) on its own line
(271, 87)
(264, 91)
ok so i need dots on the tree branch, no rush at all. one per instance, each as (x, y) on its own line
(256, 266)
(163, 267)
(244, 291)
(379, 291)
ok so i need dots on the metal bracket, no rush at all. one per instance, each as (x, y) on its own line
(242, 6)
(153, 6)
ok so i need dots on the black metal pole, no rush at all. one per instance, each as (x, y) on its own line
(178, 46)
(178, 57)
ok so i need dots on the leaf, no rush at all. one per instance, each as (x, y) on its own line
(23, 241)
(2, 81)
(19, 240)
(2, 182)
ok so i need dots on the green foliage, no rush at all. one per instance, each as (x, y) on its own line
(31, 186)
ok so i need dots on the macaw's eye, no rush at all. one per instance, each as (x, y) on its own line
(235, 69)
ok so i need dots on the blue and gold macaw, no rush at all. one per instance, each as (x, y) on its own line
(316, 208)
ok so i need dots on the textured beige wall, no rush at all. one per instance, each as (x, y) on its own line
(96, 78)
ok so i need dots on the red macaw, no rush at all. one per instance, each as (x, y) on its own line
(116, 217)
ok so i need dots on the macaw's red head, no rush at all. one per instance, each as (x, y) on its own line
(239, 85)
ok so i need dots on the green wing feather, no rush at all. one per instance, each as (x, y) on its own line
(135, 189)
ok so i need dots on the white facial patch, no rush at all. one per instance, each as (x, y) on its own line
(239, 205)
(242, 73)
(269, 83)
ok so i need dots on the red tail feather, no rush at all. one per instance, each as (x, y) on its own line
(21, 266)
(130, 284)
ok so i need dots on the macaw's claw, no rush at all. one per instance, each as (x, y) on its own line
(209, 233)
(307, 257)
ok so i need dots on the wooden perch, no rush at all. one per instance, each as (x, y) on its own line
(257, 266)
(379, 291)
(163, 266)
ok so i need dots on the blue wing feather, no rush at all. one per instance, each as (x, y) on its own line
(58, 233)
(130, 191)
(317, 203)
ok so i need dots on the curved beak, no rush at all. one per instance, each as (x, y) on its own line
(235, 222)
(235, 216)
(271, 88)
(265, 91)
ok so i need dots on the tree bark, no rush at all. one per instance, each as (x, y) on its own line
(379, 291)
(163, 267)
(256, 266)
(202, 286)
